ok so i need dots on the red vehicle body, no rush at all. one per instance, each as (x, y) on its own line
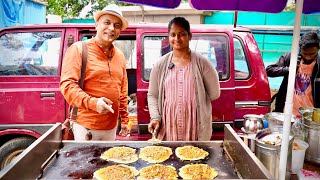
(30, 65)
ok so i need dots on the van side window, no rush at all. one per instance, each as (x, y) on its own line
(153, 48)
(127, 46)
(213, 47)
(240, 61)
(30, 54)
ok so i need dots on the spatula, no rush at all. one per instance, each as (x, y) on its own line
(154, 140)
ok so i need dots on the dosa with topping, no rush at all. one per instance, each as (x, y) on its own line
(197, 171)
(155, 154)
(117, 172)
(191, 153)
(158, 171)
(120, 155)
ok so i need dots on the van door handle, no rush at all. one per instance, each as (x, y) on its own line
(50, 94)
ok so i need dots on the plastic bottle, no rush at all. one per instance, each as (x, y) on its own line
(296, 128)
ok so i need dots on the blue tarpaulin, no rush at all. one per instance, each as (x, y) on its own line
(21, 12)
(10, 12)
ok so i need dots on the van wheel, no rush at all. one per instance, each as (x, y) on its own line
(12, 149)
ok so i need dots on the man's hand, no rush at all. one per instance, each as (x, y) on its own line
(154, 125)
(124, 130)
(104, 105)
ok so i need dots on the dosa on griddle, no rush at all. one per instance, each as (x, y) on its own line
(155, 154)
(197, 171)
(158, 171)
(117, 172)
(190, 153)
(120, 155)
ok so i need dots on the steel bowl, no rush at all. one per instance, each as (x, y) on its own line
(252, 123)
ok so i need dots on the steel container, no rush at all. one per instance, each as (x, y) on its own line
(269, 154)
(252, 123)
(316, 115)
(311, 134)
(275, 121)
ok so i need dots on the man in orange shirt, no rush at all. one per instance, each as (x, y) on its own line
(103, 97)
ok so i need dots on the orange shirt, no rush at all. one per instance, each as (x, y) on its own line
(98, 82)
(302, 88)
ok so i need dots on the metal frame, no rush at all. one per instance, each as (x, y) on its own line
(41, 159)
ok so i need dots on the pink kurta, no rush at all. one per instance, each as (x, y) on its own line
(179, 117)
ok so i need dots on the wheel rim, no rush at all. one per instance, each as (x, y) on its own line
(11, 157)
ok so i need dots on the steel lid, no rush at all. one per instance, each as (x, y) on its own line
(277, 116)
(268, 138)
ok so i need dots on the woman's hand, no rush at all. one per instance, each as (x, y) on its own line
(154, 125)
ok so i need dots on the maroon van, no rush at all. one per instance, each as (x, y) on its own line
(30, 66)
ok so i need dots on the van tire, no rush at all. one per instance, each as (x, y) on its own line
(12, 148)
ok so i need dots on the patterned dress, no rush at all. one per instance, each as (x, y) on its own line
(179, 117)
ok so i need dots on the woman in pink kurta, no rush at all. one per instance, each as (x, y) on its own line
(181, 87)
(179, 118)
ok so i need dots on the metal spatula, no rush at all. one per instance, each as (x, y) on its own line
(154, 140)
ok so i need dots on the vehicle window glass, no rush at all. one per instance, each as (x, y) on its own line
(30, 54)
(213, 47)
(127, 46)
(240, 61)
(153, 48)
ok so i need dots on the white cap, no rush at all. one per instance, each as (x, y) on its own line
(114, 10)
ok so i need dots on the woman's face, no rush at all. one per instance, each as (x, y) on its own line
(179, 37)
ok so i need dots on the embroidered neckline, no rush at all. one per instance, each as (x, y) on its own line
(111, 50)
(109, 55)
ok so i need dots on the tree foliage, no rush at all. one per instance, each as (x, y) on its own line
(72, 8)
(290, 7)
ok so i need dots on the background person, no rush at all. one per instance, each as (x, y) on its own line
(105, 86)
(182, 85)
(307, 82)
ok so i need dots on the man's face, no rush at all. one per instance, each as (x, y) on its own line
(309, 54)
(108, 28)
